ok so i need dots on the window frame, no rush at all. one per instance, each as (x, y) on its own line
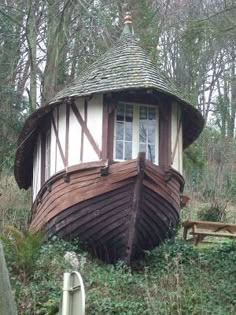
(135, 130)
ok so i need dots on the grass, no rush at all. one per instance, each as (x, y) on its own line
(14, 204)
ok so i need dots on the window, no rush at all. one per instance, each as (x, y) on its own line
(124, 132)
(47, 154)
(136, 131)
(147, 130)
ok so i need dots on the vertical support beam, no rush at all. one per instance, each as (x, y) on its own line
(105, 133)
(111, 127)
(135, 208)
(56, 131)
(165, 135)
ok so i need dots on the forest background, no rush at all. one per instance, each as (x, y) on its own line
(44, 45)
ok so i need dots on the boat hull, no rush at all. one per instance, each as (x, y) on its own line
(117, 212)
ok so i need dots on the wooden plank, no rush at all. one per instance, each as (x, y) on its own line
(85, 129)
(53, 208)
(164, 194)
(105, 122)
(209, 224)
(217, 234)
(111, 127)
(82, 176)
(87, 165)
(164, 135)
(86, 206)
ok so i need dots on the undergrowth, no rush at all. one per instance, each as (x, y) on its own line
(175, 278)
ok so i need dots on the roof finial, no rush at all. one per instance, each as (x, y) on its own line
(128, 26)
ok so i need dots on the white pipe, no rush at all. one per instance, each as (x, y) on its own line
(66, 294)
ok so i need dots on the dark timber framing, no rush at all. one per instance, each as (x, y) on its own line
(46, 128)
(137, 195)
(105, 124)
(164, 135)
(85, 129)
(56, 131)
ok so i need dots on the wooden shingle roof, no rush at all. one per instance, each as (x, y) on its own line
(125, 66)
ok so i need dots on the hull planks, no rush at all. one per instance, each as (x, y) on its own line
(117, 212)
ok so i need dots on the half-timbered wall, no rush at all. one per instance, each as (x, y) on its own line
(176, 138)
(76, 137)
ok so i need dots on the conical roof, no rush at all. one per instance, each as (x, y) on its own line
(125, 66)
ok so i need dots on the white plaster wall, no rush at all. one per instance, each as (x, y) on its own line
(61, 129)
(94, 124)
(37, 168)
(177, 162)
(75, 135)
(53, 152)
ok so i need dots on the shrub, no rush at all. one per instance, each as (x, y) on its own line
(216, 212)
(22, 250)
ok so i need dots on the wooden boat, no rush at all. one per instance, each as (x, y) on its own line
(117, 211)
(79, 154)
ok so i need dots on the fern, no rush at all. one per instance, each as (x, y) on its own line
(22, 249)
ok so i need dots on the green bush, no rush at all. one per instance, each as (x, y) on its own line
(215, 213)
(22, 250)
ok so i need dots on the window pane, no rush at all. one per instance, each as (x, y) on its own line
(142, 132)
(151, 152)
(151, 114)
(120, 112)
(147, 130)
(119, 130)
(119, 150)
(128, 150)
(47, 155)
(129, 113)
(128, 131)
(151, 132)
(143, 112)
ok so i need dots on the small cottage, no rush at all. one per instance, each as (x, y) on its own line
(105, 156)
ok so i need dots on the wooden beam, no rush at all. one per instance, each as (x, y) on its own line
(137, 195)
(85, 129)
(105, 122)
(58, 142)
(110, 133)
(164, 135)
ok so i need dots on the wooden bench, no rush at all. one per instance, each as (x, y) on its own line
(201, 229)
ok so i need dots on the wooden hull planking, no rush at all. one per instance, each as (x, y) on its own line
(132, 208)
